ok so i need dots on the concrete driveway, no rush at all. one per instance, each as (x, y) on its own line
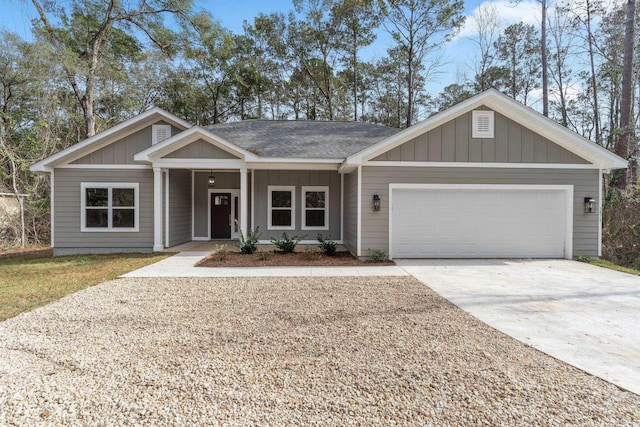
(583, 315)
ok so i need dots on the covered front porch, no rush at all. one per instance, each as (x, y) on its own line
(200, 206)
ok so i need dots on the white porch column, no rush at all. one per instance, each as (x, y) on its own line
(244, 202)
(157, 210)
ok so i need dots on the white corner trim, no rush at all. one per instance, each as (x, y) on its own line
(568, 240)
(487, 165)
(359, 218)
(166, 209)
(157, 210)
(52, 202)
(193, 215)
(600, 204)
(292, 189)
(341, 206)
(253, 204)
(303, 208)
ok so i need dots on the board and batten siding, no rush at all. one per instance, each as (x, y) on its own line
(200, 149)
(67, 235)
(121, 152)
(179, 207)
(452, 142)
(298, 179)
(350, 234)
(376, 180)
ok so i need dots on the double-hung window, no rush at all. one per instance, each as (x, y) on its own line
(109, 206)
(281, 213)
(315, 208)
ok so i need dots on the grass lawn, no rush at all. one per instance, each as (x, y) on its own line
(30, 281)
(607, 264)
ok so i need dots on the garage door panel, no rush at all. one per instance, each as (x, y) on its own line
(445, 223)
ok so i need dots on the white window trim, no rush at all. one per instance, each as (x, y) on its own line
(476, 114)
(110, 186)
(271, 189)
(155, 128)
(304, 207)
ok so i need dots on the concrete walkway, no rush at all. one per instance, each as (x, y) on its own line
(584, 315)
(182, 265)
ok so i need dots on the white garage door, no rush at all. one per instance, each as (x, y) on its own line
(479, 223)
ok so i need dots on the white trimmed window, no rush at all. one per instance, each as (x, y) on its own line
(109, 206)
(159, 133)
(315, 208)
(482, 123)
(281, 212)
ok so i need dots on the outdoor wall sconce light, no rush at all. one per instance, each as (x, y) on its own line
(589, 205)
(376, 203)
(211, 181)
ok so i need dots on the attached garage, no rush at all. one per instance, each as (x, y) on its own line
(480, 221)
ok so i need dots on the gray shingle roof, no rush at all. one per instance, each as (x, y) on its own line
(302, 138)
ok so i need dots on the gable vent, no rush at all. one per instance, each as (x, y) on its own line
(482, 124)
(159, 133)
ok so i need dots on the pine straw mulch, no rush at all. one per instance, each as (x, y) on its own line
(281, 259)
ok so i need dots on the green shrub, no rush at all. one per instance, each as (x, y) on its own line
(264, 255)
(378, 256)
(287, 244)
(249, 245)
(328, 246)
(221, 253)
(582, 258)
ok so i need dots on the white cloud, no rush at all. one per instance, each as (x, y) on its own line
(527, 11)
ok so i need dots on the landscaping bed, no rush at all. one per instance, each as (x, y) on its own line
(280, 259)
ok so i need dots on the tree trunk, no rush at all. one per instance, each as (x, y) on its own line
(594, 84)
(545, 78)
(622, 145)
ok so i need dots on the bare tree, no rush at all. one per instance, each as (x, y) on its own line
(487, 25)
(418, 27)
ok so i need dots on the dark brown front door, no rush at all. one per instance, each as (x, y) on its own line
(220, 216)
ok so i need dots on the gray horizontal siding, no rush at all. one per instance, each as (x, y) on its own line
(452, 142)
(264, 179)
(350, 234)
(376, 180)
(200, 149)
(179, 207)
(121, 152)
(67, 232)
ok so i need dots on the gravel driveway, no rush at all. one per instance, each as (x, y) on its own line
(283, 351)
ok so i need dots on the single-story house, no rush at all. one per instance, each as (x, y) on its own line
(488, 177)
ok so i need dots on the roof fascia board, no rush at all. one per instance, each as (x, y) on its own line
(104, 138)
(597, 155)
(168, 146)
(264, 165)
(411, 132)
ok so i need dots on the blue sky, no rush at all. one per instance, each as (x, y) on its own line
(16, 16)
